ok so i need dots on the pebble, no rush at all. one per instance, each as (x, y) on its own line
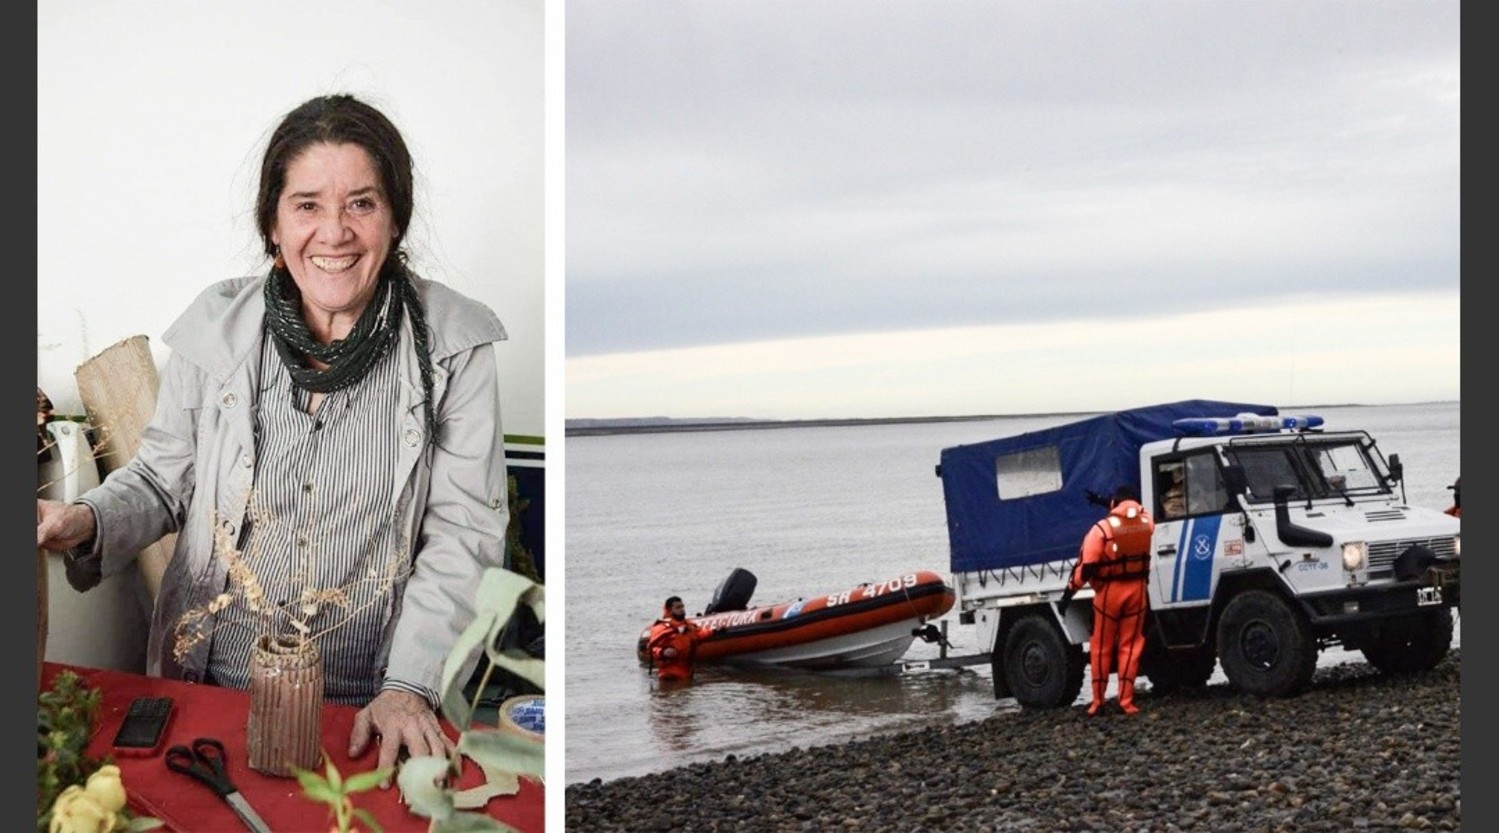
(1216, 760)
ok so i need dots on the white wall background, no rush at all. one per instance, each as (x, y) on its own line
(152, 117)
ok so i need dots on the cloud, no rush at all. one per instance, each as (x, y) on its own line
(745, 172)
(1304, 351)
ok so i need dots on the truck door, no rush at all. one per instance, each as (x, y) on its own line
(1193, 531)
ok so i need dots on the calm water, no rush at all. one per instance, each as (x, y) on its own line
(808, 510)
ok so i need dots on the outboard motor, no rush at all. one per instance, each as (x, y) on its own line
(733, 593)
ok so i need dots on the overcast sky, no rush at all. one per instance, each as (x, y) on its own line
(861, 209)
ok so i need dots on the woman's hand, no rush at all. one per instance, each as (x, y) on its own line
(62, 526)
(398, 718)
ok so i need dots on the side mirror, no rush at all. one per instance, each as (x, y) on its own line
(1234, 479)
(1397, 469)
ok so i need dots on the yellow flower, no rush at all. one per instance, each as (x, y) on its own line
(104, 785)
(76, 811)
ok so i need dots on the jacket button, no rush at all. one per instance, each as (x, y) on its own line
(247, 461)
(228, 400)
(412, 437)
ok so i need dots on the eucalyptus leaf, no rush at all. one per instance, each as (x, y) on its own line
(418, 780)
(500, 590)
(496, 782)
(454, 707)
(505, 751)
(531, 669)
(502, 755)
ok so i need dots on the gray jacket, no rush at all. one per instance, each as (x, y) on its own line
(196, 465)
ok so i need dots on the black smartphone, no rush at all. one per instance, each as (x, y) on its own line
(144, 727)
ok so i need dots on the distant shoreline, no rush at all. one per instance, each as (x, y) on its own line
(653, 425)
(669, 425)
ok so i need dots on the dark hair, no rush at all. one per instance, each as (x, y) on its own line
(671, 600)
(1126, 493)
(344, 119)
(336, 119)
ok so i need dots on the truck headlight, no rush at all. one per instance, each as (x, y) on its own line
(1355, 553)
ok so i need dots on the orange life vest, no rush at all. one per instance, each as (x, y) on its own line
(1126, 550)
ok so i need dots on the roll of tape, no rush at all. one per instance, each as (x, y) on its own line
(525, 716)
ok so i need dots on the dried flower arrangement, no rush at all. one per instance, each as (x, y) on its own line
(295, 621)
(286, 620)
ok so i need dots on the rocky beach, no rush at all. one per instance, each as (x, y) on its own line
(1357, 751)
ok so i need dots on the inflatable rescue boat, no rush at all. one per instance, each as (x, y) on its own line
(872, 624)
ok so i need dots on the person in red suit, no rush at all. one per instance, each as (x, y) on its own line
(1115, 562)
(1456, 509)
(673, 641)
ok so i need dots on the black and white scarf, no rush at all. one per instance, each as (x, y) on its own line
(350, 358)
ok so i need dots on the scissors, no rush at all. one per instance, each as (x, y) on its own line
(205, 761)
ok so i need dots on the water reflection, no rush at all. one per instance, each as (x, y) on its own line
(675, 714)
(729, 709)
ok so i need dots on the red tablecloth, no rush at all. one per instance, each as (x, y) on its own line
(186, 806)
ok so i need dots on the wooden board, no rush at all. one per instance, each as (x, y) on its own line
(118, 388)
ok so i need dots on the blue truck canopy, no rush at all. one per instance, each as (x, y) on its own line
(1045, 521)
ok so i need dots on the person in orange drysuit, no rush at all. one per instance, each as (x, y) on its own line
(1115, 562)
(1456, 509)
(673, 641)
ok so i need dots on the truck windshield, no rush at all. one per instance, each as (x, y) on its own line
(1324, 467)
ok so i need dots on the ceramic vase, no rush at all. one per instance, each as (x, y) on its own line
(286, 707)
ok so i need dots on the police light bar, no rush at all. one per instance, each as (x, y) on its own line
(1243, 424)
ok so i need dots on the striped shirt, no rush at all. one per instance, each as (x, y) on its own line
(318, 535)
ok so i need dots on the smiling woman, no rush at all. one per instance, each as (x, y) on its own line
(333, 230)
(332, 463)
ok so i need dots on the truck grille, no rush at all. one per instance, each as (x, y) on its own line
(1382, 554)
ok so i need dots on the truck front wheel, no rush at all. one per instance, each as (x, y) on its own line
(1265, 645)
(1040, 667)
(1416, 645)
(1179, 670)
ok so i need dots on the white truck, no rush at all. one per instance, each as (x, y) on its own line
(1274, 539)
